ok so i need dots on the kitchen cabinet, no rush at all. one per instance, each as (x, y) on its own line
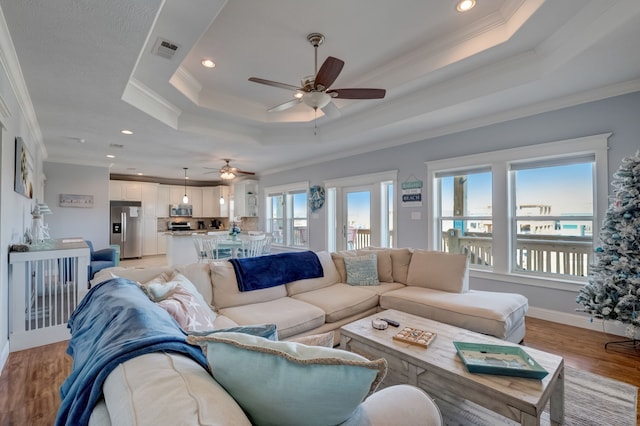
(121, 190)
(176, 193)
(149, 236)
(162, 243)
(195, 199)
(149, 198)
(164, 200)
(245, 198)
(211, 206)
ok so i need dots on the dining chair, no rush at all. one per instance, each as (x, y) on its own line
(252, 245)
(203, 248)
(268, 239)
(217, 252)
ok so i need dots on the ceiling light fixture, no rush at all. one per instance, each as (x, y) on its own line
(221, 200)
(185, 199)
(226, 175)
(465, 5)
(126, 132)
(111, 156)
(208, 63)
(316, 99)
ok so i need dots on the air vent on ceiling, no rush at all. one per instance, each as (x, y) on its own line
(116, 145)
(165, 48)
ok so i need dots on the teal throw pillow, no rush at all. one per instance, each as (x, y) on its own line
(362, 270)
(287, 383)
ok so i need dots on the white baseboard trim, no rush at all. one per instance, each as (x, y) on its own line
(4, 355)
(577, 320)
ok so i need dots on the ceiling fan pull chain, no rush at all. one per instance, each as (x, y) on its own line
(315, 122)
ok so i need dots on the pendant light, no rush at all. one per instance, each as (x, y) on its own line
(185, 199)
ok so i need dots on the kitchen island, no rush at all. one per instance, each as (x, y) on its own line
(180, 247)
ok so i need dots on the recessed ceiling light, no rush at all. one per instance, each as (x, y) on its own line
(111, 156)
(140, 174)
(465, 5)
(126, 132)
(208, 63)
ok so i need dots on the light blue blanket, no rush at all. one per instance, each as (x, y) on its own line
(115, 322)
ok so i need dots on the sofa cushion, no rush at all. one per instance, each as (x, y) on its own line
(338, 261)
(290, 316)
(362, 270)
(385, 267)
(226, 293)
(400, 260)
(323, 339)
(296, 383)
(160, 286)
(487, 312)
(331, 276)
(340, 300)
(187, 310)
(136, 389)
(439, 271)
(200, 275)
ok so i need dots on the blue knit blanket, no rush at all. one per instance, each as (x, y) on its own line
(254, 273)
(114, 322)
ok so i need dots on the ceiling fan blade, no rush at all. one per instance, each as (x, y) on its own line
(357, 93)
(242, 172)
(274, 84)
(285, 105)
(328, 72)
(331, 110)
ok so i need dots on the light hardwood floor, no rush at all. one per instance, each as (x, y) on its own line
(30, 380)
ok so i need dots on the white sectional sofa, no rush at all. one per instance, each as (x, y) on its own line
(429, 284)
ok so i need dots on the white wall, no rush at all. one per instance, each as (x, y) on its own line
(618, 115)
(17, 118)
(88, 223)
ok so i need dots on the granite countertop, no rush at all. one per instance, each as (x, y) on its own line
(193, 231)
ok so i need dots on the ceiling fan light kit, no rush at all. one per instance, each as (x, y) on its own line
(314, 90)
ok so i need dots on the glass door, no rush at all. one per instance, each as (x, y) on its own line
(358, 214)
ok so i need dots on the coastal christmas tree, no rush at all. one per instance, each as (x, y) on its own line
(613, 291)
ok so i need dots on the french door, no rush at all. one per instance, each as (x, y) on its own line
(360, 211)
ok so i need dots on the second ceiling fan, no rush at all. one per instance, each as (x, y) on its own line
(314, 90)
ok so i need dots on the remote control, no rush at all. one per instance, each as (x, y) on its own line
(392, 323)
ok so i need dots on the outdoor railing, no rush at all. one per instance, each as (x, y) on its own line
(564, 255)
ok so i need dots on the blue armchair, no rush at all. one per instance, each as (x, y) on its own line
(100, 259)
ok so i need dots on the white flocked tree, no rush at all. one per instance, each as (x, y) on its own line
(613, 290)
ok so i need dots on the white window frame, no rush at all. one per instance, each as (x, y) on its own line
(286, 191)
(502, 216)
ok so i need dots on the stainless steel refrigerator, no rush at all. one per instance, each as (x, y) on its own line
(126, 227)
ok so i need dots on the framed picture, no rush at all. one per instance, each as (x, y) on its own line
(23, 183)
(74, 200)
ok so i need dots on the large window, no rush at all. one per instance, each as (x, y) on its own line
(286, 215)
(522, 212)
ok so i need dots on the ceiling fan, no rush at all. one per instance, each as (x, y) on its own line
(314, 90)
(227, 172)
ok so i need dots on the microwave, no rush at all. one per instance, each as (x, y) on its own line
(181, 210)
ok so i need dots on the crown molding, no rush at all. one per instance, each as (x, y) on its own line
(142, 97)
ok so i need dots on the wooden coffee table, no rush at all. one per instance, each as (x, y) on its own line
(439, 371)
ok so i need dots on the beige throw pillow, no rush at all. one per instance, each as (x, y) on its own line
(439, 271)
(187, 310)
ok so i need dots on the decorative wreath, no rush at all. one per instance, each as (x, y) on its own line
(316, 197)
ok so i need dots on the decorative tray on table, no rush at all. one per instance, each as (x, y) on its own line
(499, 359)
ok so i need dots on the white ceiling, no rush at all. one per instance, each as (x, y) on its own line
(90, 72)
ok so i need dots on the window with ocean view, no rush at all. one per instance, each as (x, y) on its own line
(528, 212)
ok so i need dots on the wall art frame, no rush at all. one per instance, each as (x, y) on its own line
(24, 170)
(75, 200)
